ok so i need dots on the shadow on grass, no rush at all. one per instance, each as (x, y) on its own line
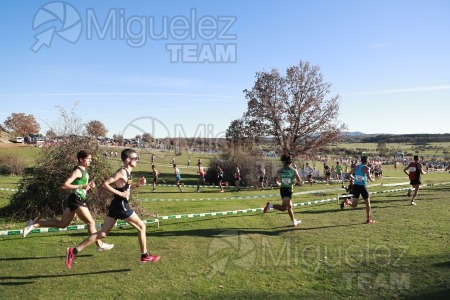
(53, 276)
(214, 232)
(443, 264)
(34, 258)
(435, 295)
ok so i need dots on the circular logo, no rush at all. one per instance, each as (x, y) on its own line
(231, 247)
(149, 125)
(63, 19)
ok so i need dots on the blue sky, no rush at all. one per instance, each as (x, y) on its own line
(387, 59)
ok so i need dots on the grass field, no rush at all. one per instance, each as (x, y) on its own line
(439, 151)
(331, 254)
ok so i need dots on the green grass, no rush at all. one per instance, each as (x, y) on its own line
(27, 155)
(440, 151)
(250, 256)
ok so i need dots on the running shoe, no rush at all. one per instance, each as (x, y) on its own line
(150, 258)
(28, 228)
(69, 258)
(105, 247)
(296, 222)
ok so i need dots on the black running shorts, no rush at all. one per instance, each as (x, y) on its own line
(74, 201)
(360, 190)
(119, 209)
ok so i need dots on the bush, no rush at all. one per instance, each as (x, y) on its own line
(40, 193)
(11, 165)
(248, 166)
(5, 170)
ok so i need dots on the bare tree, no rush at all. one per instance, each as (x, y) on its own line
(294, 109)
(22, 124)
(96, 129)
(69, 123)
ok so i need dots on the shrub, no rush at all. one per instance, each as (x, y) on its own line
(11, 165)
(40, 193)
(5, 170)
(248, 166)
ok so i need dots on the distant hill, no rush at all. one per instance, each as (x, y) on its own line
(406, 138)
(354, 133)
(4, 136)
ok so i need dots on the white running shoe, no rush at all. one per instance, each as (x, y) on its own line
(296, 222)
(413, 203)
(105, 247)
(28, 228)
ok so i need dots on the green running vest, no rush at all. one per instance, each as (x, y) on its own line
(287, 176)
(81, 181)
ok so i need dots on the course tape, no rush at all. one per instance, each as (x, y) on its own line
(207, 199)
(70, 228)
(207, 214)
(9, 190)
(192, 185)
(251, 210)
(396, 190)
(233, 197)
(246, 197)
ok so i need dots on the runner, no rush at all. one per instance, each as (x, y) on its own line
(414, 170)
(362, 174)
(288, 176)
(119, 209)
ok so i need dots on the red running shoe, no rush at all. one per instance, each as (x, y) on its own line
(150, 258)
(69, 258)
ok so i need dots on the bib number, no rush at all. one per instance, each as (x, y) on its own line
(286, 181)
(359, 178)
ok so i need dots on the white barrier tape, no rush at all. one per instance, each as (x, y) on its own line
(211, 214)
(208, 214)
(9, 190)
(70, 228)
(208, 199)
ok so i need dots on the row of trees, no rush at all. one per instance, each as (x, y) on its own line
(20, 124)
(419, 139)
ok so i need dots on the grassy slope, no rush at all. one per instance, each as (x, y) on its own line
(332, 254)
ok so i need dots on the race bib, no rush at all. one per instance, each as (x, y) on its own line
(286, 181)
(359, 178)
(412, 169)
